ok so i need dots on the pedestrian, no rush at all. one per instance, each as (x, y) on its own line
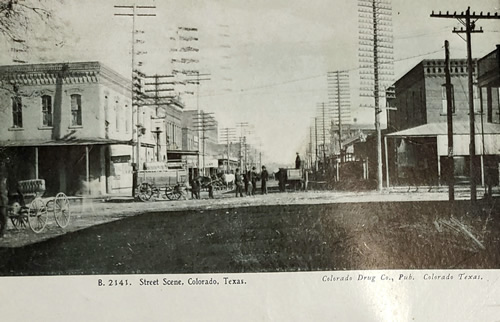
(264, 176)
(246, 180)
(297, 161)
(195, 188)
(253, 180)
(210, 187)
(184, 188)
(238, 180)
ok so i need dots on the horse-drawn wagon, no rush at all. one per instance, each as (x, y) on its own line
(161, 179)
(295, 178)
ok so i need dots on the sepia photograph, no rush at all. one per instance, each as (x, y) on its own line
(197, 146)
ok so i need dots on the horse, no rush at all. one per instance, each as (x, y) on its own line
(228, 180)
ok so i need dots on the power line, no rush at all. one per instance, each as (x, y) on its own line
(468, 20)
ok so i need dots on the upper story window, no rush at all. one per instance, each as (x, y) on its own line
(47, 110)
(445, 101)
(477, 100)
(127, 119)
(17, 112)
(117, 117)
(76, 109)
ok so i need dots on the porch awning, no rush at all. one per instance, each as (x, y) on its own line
(182, 152)
(487, 137)
(68, 142)
(437, 129)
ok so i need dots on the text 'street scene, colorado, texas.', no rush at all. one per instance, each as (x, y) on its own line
(225, 136)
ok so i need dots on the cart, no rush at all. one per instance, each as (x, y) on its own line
(27, 208)
(161, 179)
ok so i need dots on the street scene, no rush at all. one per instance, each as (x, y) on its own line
(142, 137)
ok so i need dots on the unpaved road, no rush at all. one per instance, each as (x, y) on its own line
(282, 232)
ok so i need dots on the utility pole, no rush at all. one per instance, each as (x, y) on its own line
(316, 140)
(376, 60)
(197, 81)
(449, 119)
(310, 148)
(326, 114)
(157, 90)
(469, 20)
(159, 99)
(204, 122)
(244, 130)
(229, 135)
(125, 12)
(339, 96)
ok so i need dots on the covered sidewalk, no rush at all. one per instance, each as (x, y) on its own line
(67, 165)
(434, 135)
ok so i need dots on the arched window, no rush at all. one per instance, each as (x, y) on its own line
(76, 109)
(47, 110)
(17, 112)
(117, 116)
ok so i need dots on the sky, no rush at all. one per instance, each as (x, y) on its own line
(267, 60)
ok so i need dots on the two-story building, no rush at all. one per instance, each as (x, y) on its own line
(417, 149)
(71, 124)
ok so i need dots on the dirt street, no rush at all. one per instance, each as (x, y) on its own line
(276, 232)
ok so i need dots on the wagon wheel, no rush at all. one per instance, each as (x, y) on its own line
(173, 193)
(61, 210)
(17, 215)
(37, 215)
(144, 192)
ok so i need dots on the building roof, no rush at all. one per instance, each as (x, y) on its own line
(67, 142)
(435, 129)
(48, 73)
(489, 69)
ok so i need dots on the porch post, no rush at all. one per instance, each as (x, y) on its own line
(439, 168)
(87, 168)
(482, 170)
(36, 162)
(386, 162)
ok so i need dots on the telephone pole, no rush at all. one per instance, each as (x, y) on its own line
(229, 135)
(449, 119)
(338, 92)
(376, 59)
(468, 20)
(326, 117)
(131, 11)
(204, 122)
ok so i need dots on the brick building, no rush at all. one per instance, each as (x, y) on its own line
(71, 124)
(416, 150)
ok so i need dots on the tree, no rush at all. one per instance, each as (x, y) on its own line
(18, 18)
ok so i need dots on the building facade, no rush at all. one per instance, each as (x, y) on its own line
(71, 124)
(417, 150)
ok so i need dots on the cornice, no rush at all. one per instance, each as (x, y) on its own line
(66, 73)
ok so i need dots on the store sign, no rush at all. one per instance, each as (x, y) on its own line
(120, 158)
(211, 163)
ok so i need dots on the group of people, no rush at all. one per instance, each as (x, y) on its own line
(249, 179)
(196, 186)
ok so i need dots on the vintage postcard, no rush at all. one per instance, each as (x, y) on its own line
(250, 161)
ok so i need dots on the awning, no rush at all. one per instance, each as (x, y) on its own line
(182, 152)
(436, 129)
(68, 142)
(486, 138)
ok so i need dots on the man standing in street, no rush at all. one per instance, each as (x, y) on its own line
(253, 180)
(238, 180)
(264, 176)
(297, 161)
